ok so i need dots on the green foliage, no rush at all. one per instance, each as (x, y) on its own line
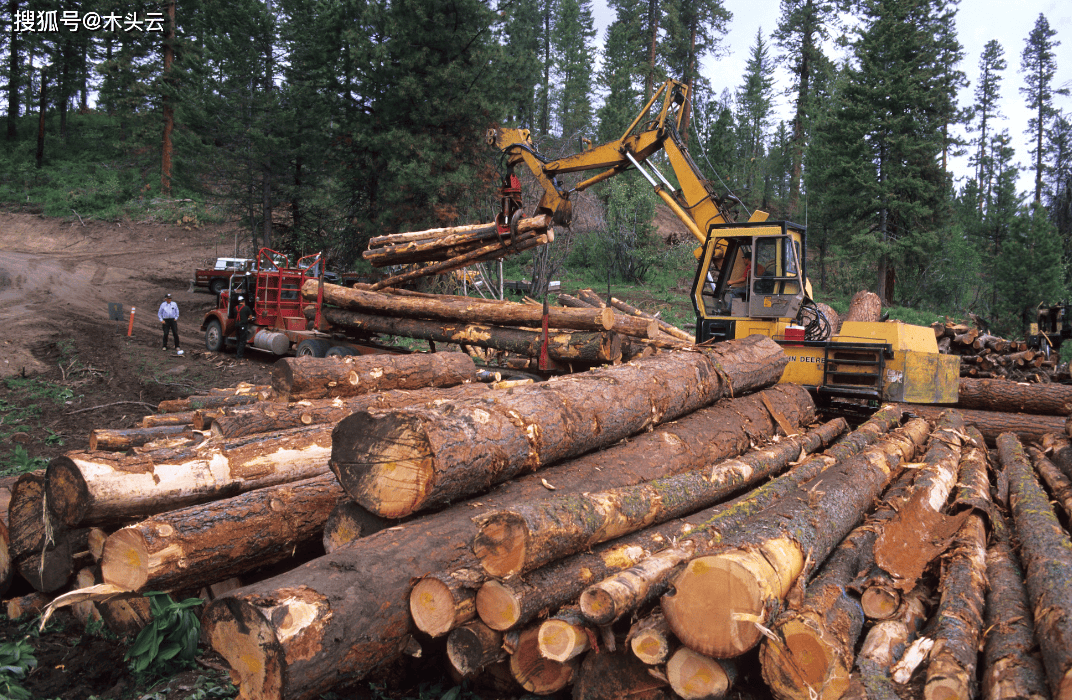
(1028, 272)
(168, 643)
(16, 662)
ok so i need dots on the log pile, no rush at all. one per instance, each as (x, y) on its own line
(986, 356)
(521, 335)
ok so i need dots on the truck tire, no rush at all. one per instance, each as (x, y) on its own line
(214, 336)
(340, 351)
(312, 348)
(216, 286)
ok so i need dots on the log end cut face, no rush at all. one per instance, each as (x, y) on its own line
(500, 544)
(497, 606)
(804, 664)
(431, 605)
(693, 676)
(244, 638)
(384, 461)
(68, 494)
(125, 560)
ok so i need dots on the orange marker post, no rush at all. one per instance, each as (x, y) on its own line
(130, 326)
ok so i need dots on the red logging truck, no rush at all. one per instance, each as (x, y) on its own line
(279, 324)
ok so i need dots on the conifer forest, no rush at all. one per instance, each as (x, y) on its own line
(327, 122)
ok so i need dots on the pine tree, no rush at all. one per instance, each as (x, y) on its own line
(1038, 64)
(1030, 272)
(572, 41)
(521, 70)
(801, 30)
(700, 24)
(622, 71)
(987, 94)
(754, 105)
(883, 180)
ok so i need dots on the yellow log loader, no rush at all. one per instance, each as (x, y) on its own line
(751, 276)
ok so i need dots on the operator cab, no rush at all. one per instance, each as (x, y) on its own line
(748, 271)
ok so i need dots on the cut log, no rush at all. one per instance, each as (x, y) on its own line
(349, 521)
(193, 403)
(156, 420)
(1059, 485)
(296, 378)
(865, 306)
(122, 440)
(268, 416)
(103, 488)
(1002, 395)
(1029, 428)
(663, 325)
(694, 676)
(50, 568)
(29, 527)
(125, 616)
(442, 601)
(565, 635)
(832, 317)
(920, 532)
(616, 675)
(473, 646)
(667, 449)
(535, 673)
(717, 598)
(524, 537)
(651, 640)
(1046, 552)
(86, 611)
(429, 234)
(591, 298)
(812, 647)
(440, 245)
(1010, 668)
(582, 346)
(609, 599)
(24, 606)
(184, 547)
(467, 311)
(398, 462)
(271, 661)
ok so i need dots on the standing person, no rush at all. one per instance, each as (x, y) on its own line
(169, 318)
(243, 314)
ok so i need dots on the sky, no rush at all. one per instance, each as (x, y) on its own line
(978, 21)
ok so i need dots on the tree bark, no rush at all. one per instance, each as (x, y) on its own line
(865, 306)
(527, 536)
(1029, 428)
(609, 599)
(694, 676)
(183, 548)
(193, 403)
(7, 570)
(883, 646)
(1003, 395)
(399, 462)
(583, 347)
(49, 568)
(103, 488)
(297, 378)
(122, 440)
(28, 530)
(155, 420)
(382, 249)
(1059, 485)
(814, 642)
(717, 598)
(920, 532)
(1047, 556)
(372, 595)
(29, 604)
(1010, 669)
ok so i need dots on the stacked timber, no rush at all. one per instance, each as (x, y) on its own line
(185, 515)
(987, 356)
(441, 250)
(557, 336)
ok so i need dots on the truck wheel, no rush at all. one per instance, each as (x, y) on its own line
(214, 336)
(312, 348)
(340, 351)
(216, 286)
